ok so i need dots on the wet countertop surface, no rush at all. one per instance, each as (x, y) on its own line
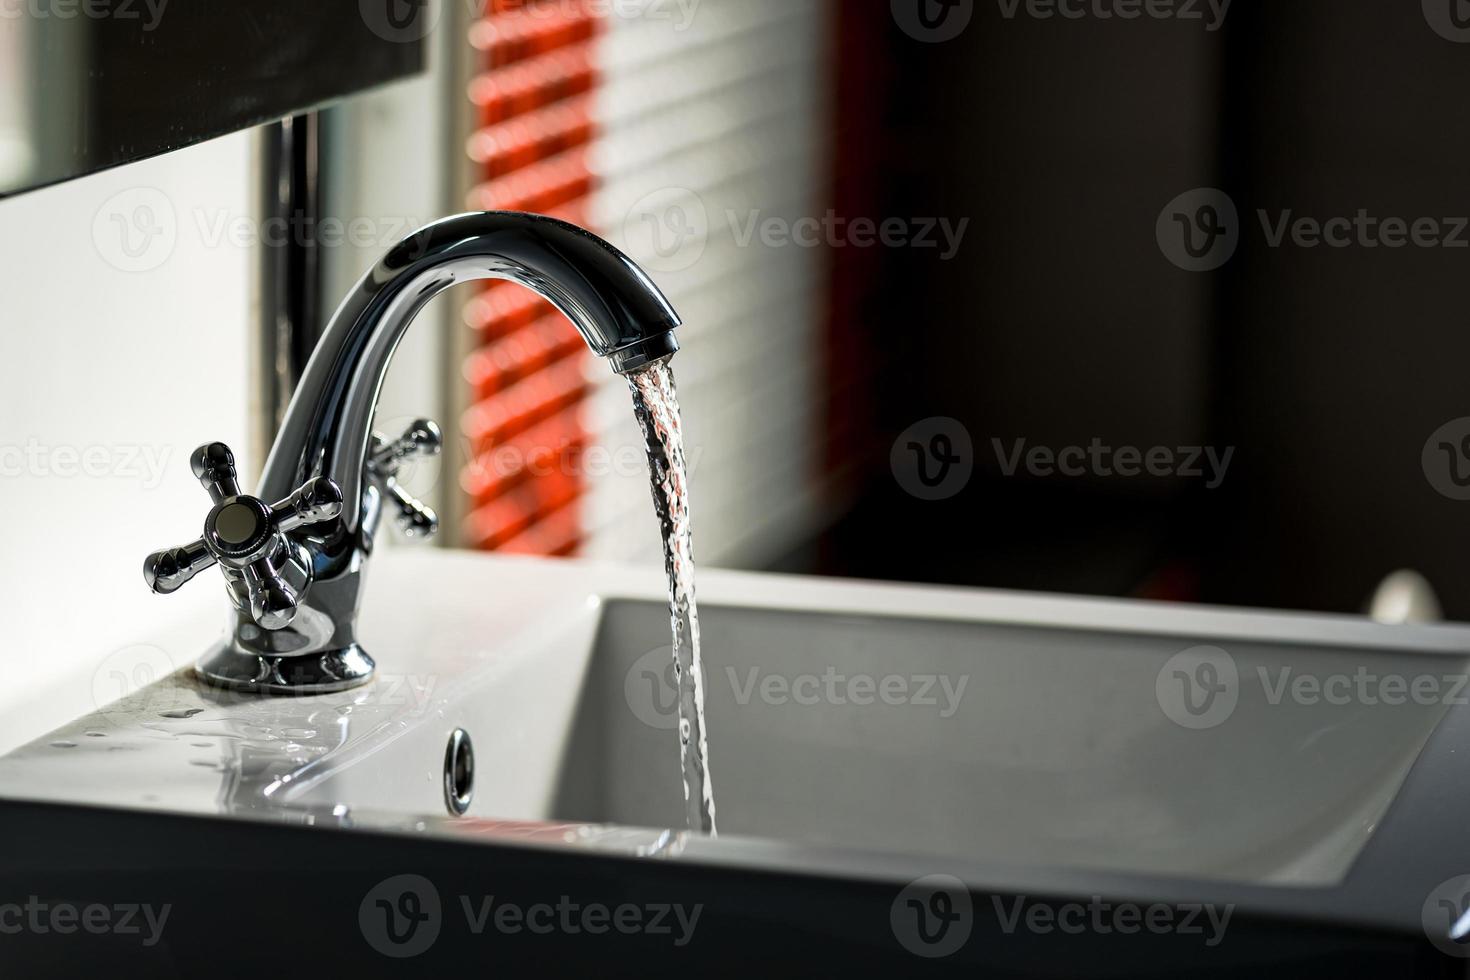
(176, 746)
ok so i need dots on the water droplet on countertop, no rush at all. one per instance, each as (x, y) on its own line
(62, 744)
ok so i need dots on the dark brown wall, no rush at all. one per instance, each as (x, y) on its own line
(1326, 369)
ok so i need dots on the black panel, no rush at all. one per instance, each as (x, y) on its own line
(106, 82)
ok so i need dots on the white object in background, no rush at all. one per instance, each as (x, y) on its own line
(1405, 597)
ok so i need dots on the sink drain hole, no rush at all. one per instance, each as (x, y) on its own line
(459, 772)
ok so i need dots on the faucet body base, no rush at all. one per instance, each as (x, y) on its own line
(318, 673)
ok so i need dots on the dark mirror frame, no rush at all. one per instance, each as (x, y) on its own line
(108, 82)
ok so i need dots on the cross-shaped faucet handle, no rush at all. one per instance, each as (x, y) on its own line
(421, 438)
(265, 570)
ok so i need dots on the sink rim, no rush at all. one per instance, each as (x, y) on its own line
(1417, 846)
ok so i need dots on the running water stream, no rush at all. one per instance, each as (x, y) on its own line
(656, 405)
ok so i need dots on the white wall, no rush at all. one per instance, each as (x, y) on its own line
(118, 359)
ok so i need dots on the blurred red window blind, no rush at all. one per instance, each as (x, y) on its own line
(533, 93)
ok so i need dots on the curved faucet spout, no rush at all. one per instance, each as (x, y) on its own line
(327, 431)
(613, 304)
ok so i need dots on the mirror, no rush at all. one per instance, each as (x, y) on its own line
(91, 84)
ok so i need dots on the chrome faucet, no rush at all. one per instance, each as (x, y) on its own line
(294, 569)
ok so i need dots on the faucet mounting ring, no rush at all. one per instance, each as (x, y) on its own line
(337, 670)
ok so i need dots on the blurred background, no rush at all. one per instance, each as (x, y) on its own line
(992, 182)
(1160, 300)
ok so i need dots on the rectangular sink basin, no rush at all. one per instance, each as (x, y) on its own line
(861, 736)
(1042, 746)
(1028, 745)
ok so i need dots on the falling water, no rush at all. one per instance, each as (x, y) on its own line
(656, 405)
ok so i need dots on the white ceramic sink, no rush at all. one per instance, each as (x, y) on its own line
(952, 738)
(857, 731)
